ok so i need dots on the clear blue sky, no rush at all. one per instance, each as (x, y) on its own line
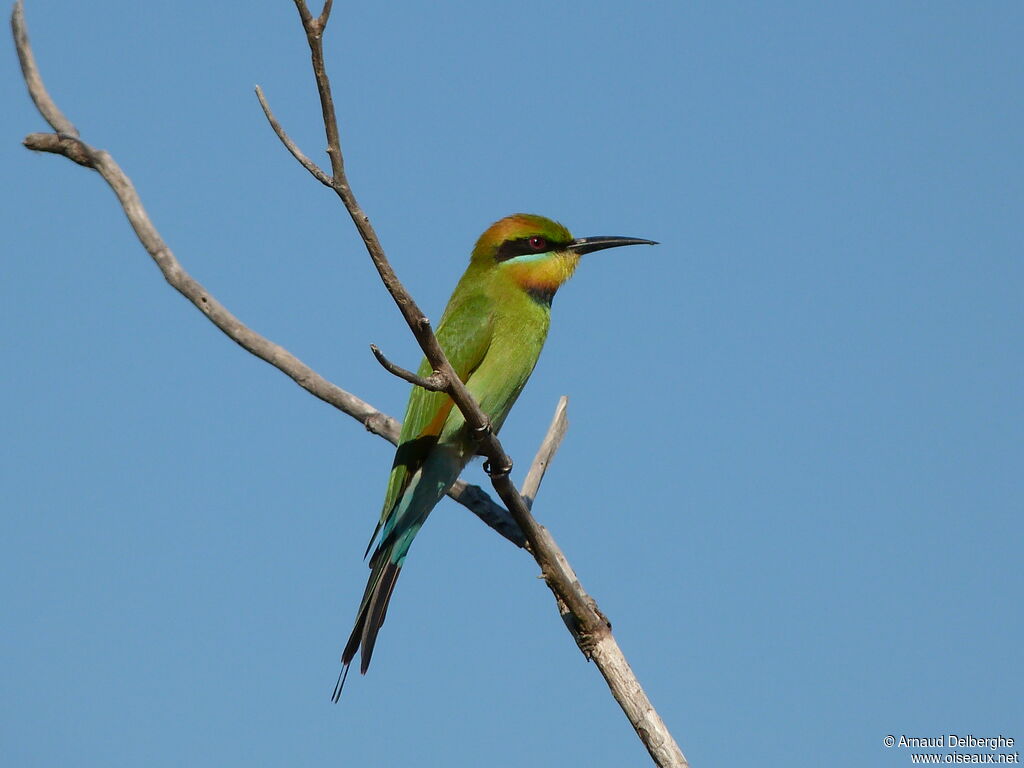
(794, 473)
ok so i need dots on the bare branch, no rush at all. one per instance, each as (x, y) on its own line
(477, 501)
(33, 79)
(304, 14)
(291, 146)
(325, 14)
(589, 626)
(314, 36)
(472, 497)
(418, 323)
(59, 144)
(549, 445)
(436, 382)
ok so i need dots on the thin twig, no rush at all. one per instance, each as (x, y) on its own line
(589, 626)
(325, 14)
(314, 36)
(47, 108)
(548, 447)
(472, 497)
(290, 145)
(436, 382)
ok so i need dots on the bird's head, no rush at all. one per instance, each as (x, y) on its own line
(536, 253)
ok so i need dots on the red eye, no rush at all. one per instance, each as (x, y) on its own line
(538, 243)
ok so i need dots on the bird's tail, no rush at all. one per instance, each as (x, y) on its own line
(373, 610)
(429, 484)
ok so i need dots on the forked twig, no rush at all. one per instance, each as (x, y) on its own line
(292, 147)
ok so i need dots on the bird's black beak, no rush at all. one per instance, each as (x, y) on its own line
(583, 245)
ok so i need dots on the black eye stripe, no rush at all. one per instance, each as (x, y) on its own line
(521, 246)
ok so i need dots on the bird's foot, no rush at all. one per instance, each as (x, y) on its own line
(493, 471)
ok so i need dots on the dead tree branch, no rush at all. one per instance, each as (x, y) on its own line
(590, 628)
(66, 142)
(290, 145)
(548, 447)
(434, 383)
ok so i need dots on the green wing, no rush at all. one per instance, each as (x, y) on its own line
(464, 334)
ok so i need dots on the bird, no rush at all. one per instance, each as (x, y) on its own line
(492, 332)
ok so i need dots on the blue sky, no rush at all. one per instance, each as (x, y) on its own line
(793, 478)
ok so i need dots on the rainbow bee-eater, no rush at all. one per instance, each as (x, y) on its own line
(492, 332)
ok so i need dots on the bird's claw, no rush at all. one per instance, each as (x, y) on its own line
(500, 472)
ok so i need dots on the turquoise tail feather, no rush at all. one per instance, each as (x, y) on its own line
(427, 486)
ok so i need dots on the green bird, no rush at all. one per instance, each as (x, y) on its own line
(492, 331)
